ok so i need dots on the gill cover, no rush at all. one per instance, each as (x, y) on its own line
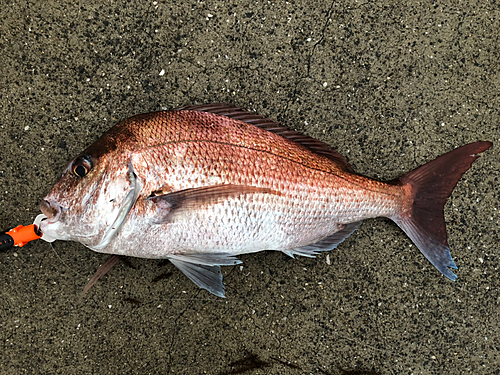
(126, 206)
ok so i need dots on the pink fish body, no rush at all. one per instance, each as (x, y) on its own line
(202, 184)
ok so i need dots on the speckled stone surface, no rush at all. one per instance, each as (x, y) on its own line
(389, 85)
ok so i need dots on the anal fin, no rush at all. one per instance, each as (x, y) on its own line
(326, 244)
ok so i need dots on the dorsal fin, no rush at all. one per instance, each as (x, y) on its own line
(241, 114)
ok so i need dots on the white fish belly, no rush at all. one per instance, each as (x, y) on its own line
(240, 225)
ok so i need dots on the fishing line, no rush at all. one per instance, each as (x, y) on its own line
(62, 261)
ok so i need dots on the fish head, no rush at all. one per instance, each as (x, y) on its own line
(92, 199)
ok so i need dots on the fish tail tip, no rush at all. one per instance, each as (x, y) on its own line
(445, 269)
(452, 264)
(218, 294)
(450, 275)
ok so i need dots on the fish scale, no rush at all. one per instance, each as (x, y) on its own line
(302, 184)
(202, 184)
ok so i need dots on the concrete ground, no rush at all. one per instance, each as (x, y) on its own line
(390, 85)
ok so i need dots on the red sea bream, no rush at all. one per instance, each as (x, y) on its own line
(202, 184)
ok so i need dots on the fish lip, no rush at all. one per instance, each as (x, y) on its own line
(51, 210)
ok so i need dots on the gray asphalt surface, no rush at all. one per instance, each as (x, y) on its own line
(390, 85)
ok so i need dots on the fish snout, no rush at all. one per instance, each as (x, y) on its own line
(51, 209)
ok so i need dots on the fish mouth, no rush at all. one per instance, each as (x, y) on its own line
(51, 210)
(49, 221)
(41, 221)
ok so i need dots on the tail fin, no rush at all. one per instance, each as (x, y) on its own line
(430, 186)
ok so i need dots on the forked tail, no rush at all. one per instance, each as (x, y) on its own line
(430, 186)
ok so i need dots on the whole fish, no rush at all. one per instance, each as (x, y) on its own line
(200, 185)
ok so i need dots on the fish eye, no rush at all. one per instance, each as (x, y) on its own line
(81, 166)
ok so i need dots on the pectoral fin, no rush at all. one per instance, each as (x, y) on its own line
(204, 269)
(184, 200)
